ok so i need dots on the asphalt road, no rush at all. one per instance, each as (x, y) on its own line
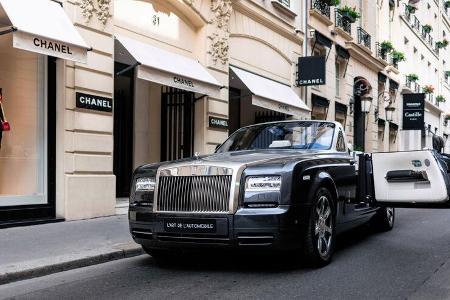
(410, 262)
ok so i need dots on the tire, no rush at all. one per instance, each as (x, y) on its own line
(384, 219)
(320, 237)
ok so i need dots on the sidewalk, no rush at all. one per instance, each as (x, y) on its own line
(33, 251)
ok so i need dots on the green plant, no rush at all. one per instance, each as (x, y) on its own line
(447, 73)
(440, 99)
(442, 44)
(412, 77)
(446, 4)
(358, 148)
(333, 2)
(350, 13)
(428, 89)
(427, 28)
(387, 46)
(411, 9)
(398, 56)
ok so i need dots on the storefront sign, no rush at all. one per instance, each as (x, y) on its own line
(49, 47)
(93, 102)
(311, 71)
(218, 123)
(183, 82)
(413, 111)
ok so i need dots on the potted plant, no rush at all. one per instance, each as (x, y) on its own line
(447, 74)
(440, 99)
(349, 13)
(385, 48)
(427, 28)
(397, 57)
(412, 77)
(442, 44)
(447, 4)
(411, 9)
(428, 89)
(332, 2)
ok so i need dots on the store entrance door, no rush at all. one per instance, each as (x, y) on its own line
(123, 130)
(177, 123)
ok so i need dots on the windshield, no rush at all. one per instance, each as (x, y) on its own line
(286, 135)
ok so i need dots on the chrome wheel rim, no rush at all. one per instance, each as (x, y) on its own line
(323, 228)
(390, 215)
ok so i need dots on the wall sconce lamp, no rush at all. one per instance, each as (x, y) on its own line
(366, 104)
(390, 113)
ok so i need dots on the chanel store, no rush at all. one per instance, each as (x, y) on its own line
(30, 47)
(160, 88)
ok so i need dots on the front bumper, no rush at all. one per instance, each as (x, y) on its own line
(271, 228)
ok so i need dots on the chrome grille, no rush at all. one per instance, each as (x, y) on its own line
(194, 193)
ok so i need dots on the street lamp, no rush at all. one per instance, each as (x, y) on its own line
(390, 113)
(366, 104)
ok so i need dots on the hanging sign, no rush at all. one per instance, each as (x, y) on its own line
(413, 111)
(93, 102)
(311, 71)
(218, 123)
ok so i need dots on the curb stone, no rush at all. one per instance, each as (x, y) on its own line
(33, 272)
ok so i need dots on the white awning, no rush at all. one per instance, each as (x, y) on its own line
(167, 68)
(42, 26)
(270, 94)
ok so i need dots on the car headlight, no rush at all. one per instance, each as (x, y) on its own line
(263, 184)
(145, 184)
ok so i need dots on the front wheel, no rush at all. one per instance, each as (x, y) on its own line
(320, 236)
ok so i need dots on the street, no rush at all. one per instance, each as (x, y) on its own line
(410, 262)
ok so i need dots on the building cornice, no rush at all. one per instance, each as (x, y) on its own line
(363, 55)
(268, 19)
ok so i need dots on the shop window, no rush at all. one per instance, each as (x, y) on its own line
(319, 107)
(341, 113)
(338, 78)
(23, 152)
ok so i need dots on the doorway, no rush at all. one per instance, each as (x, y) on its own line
(359, 126)
(123, 129)
(177, 123)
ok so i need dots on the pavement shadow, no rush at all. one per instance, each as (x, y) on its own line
(255, 260)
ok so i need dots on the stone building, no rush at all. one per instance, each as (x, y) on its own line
(107, 85)
(155, 85)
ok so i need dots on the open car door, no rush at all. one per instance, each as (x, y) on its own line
(410, 179)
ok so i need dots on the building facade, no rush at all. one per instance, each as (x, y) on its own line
(419, 30)
(154, 80)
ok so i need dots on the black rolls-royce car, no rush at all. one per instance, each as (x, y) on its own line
(291, 185)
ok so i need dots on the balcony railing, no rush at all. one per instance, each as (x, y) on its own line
(364, 38)
(407, 14)
(412, 85)
(415, 23)
(285, 2)
(343, 23)
(322, 7)
(384, 55)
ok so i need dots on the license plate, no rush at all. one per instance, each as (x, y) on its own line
(190, 225)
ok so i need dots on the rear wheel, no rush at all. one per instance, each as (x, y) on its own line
(384, 219)
(320, 236)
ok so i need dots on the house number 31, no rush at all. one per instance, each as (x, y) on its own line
(155, 20)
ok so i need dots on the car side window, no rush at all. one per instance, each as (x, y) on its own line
(340, 144)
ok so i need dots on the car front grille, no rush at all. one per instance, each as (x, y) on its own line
(198, 194)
